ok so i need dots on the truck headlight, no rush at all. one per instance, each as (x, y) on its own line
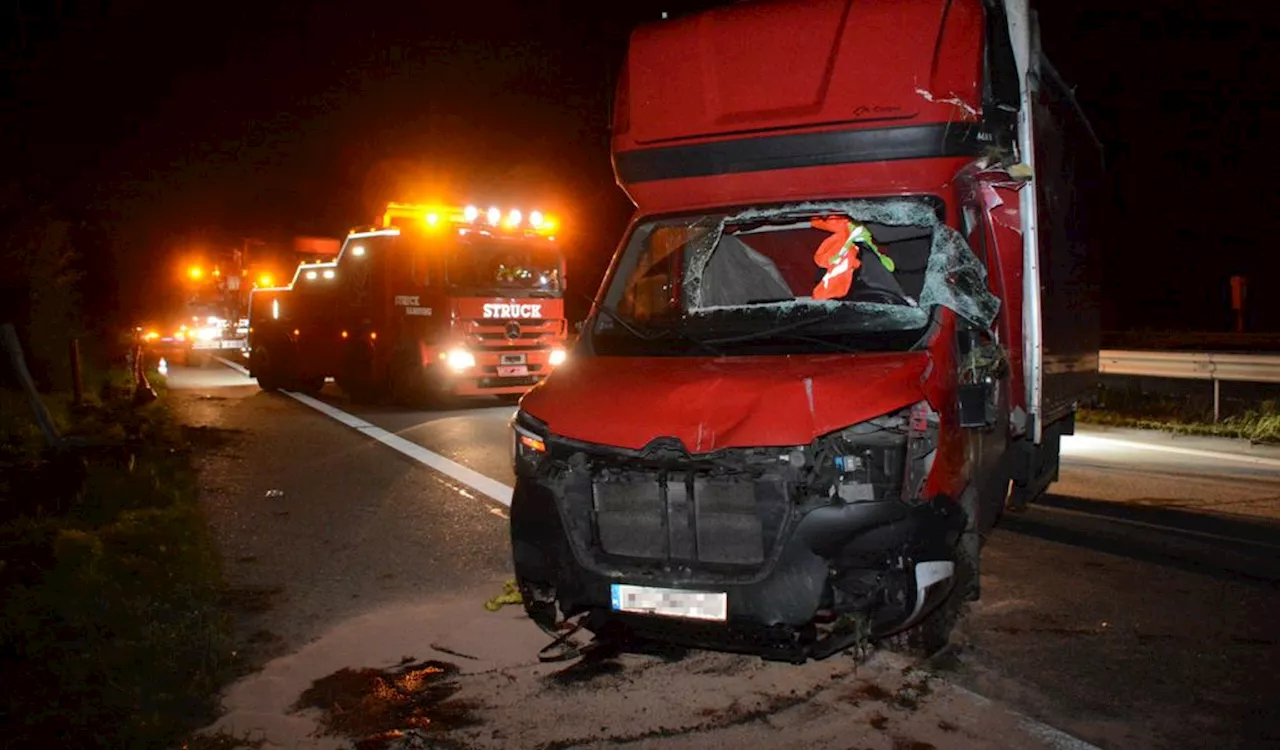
(557, 357)
(460, 359)
(528, 442)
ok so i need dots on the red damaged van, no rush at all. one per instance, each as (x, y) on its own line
(848, 325)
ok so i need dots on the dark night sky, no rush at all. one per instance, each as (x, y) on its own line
(153, 122)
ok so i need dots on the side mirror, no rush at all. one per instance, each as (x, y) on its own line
(978, 404)
(983, 367)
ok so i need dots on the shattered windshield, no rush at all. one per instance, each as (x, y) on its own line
(504, 268)
(841, 275)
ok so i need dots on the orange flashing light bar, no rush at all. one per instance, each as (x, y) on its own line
(464, 217)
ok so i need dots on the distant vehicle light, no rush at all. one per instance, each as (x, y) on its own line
(558, 356)
(311, 275)
(514, 217)
(195, 272)
(151, 336)
(495, 215)
(460, 359)
(208, 333)
(180, 336)
(328, 274)
(433, 219)
(358, 250)
(265, 280)
(471, 213)
(535, 219)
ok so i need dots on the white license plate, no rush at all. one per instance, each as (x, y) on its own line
(509, 371)
(514, 359)
(694, 605)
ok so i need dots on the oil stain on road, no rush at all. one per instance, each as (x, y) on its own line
(382, 708)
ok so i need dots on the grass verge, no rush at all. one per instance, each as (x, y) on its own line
(1185, 416)
(111, 633)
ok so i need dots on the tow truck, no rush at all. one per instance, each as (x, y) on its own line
(193, 336)
(429, 303)
(847, 328)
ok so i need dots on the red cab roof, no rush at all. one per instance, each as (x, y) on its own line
(785, 84)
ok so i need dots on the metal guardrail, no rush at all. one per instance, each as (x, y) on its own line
(1243, 368)
(1212, 366)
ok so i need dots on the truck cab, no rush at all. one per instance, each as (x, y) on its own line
(848, 324)
(433, 301)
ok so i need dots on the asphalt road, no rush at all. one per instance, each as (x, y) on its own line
(1135, 607)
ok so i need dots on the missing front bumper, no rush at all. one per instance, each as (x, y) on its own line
(834, 576)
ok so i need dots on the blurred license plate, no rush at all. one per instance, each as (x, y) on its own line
(695, 605)
(508, 371)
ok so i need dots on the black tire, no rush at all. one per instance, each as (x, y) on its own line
(264, 369)
(309, 385)
(407, 380)
(357, 377)
(933, 632)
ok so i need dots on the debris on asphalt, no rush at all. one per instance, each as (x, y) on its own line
(378, 707)
(510, 595)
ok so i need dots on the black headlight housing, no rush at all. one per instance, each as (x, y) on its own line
(528, 443)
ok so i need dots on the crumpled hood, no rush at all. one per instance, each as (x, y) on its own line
(709, 404)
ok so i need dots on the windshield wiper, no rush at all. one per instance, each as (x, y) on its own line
(648, 333)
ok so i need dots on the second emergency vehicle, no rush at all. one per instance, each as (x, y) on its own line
(433, 301)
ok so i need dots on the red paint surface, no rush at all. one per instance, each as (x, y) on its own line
(710, 404)
(747, 68)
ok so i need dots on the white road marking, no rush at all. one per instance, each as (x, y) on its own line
(1054, 738)
(473, 479)
(1090, 443)
(234, 365)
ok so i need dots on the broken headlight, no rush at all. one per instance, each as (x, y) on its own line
(528, 442)
(885, 458)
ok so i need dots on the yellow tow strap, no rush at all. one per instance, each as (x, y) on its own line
(510, 595)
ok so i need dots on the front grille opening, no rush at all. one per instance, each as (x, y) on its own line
(687, 518)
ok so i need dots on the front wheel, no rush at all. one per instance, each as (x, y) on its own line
(933, 632)
(407, 378)
(260, 361)
(310, 385)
